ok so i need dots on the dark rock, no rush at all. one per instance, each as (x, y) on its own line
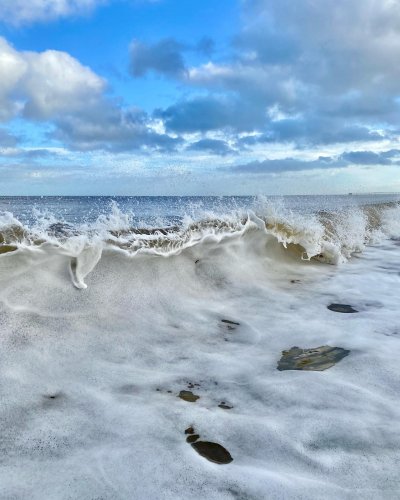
(189, 430)
(295, 281)
(341, 308)
(7, 248)
(213, 452)
(188, 396)
(316, 359)
(192, 438)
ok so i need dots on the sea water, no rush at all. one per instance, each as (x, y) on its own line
(110, 308)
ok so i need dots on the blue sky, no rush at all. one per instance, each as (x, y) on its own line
(149, 97)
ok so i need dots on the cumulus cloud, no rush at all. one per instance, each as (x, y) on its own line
(314, 73)
(319, 73)
(54, 87)
(43, 85)
(28, 11)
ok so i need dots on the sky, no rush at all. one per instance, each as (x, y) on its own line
(190, 97)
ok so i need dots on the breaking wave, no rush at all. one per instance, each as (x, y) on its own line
(275, 231)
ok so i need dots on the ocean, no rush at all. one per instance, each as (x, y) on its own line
(200, 347)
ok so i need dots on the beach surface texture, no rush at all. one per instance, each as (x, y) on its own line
(249, 351)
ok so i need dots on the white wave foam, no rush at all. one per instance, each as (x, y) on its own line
(89, 379)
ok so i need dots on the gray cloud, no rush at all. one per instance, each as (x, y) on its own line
(286, 165)
(163, 57)
(205, 113)
(213, 146)
(323, 72)
(268, 166)
(366, 158)
(110, 128)
(391, 153)
(303, 132)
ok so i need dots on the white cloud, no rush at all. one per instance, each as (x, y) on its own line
(27, 11)
(57, 82)
(54, 87)
(44, 85)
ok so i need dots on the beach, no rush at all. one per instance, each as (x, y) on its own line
(272, 332)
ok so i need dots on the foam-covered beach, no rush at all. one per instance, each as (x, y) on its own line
(271, 334)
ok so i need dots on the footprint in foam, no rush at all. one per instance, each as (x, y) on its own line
(52, 399)
(129, 389)
(54, 395)
(213, 452)
(229, 325)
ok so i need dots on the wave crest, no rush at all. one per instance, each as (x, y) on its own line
(329, 237)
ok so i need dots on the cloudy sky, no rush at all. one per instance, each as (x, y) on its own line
(147, 97)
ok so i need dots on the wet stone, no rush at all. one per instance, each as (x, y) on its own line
(188, 396)
(192, 438)
(342, 308)
(7, 248)
(314, 359)
(213, 452)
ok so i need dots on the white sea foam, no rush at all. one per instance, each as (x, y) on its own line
(85, 374)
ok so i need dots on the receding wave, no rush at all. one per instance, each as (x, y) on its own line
(328, 237)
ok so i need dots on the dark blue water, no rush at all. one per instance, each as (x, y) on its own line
(168, 209)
